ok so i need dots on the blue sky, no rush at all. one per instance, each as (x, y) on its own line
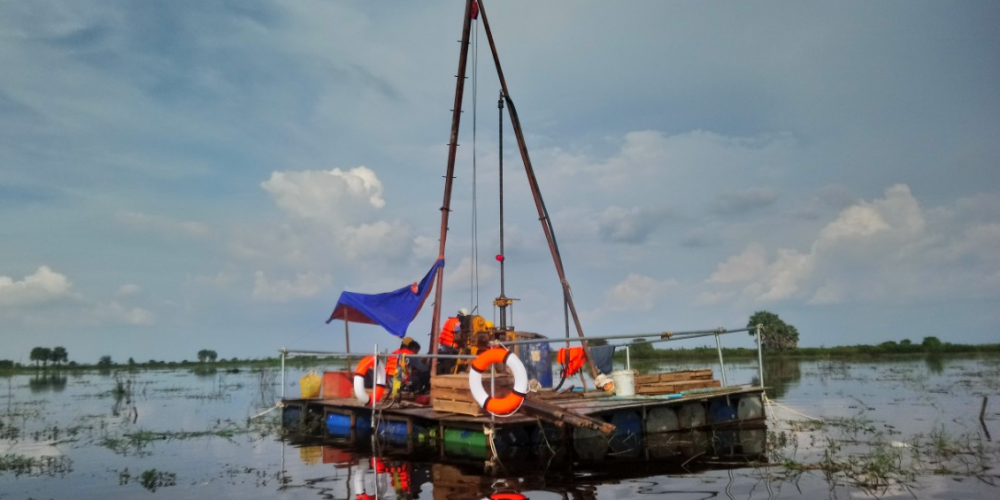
(180, 175)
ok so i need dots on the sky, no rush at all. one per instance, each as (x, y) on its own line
(186, 175)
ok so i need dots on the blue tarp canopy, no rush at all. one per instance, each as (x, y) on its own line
(393, 310)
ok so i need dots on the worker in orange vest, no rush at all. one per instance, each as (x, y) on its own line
(417, 375)
(449, 345)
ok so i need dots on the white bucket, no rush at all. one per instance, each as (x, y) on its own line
(624, 382)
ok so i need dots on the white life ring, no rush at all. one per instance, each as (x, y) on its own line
(509, 403)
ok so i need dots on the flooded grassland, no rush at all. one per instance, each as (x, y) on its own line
(886, 429)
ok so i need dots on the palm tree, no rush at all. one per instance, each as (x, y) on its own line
(59, 355)
(43, 354)
(38, 354)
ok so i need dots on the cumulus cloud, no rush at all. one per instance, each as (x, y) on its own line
(627, 225)
(648, 159)
(882, 249)
(331, 225)
(637, 293)
(163, 225)
(742, 267)
(303, 285)
(379, 239)
(44, 286)
(116, 312)
(744, 201)
(332, 196)
(128, 289)
(46, 298)
(460, 277)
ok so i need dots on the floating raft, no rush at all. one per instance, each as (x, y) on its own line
(583, 425)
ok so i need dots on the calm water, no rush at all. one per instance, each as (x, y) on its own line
(890, 429)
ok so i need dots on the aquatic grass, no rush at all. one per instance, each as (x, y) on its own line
(137, 442)
(22, 465)
(151, 479)
(855, 452)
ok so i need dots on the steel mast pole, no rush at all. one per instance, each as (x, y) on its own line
(456, 117)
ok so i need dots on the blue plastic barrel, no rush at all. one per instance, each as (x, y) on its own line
(538, 363)
(393, 432)
(626, 442)
(362, 425)
(722, 410)
(724, 443)
(291, 418)
(544, 436)
(589, 444)
(338, 425)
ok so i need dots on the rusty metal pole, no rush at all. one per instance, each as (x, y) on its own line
(543, 215)
(456, 117)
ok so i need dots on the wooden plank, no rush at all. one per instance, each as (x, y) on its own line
(673, 376)
(462, 407)
(456, 394)
(557, 414)
(677, 387)
(461, 381)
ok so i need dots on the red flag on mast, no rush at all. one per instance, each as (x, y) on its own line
(475, 10)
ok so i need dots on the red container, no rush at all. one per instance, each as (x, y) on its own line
(336, 456)
(338, 385)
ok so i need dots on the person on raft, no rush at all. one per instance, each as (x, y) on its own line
(416, 376)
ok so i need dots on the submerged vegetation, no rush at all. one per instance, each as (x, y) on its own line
(860, 453)
(23, 465)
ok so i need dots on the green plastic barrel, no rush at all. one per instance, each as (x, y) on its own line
(465, 443)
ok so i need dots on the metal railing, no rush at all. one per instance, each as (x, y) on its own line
(665, 336)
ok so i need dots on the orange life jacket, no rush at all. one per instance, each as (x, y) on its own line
(390, 364)
(447, 337)
(574, 361)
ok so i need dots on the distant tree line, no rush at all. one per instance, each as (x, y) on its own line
(781, 339)
(43, 355)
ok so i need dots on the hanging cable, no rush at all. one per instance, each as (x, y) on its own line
(474, 271)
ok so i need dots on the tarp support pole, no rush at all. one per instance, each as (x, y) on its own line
(722, 364)
(283, 352)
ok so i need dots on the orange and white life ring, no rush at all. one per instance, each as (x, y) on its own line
(378, 391)
(512, 401)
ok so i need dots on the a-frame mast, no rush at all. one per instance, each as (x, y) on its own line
(543, 215)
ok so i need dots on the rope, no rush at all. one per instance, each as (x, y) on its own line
(545, 439)
(474, 274)
(772, 402)
(489, 432)
(269, 410)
